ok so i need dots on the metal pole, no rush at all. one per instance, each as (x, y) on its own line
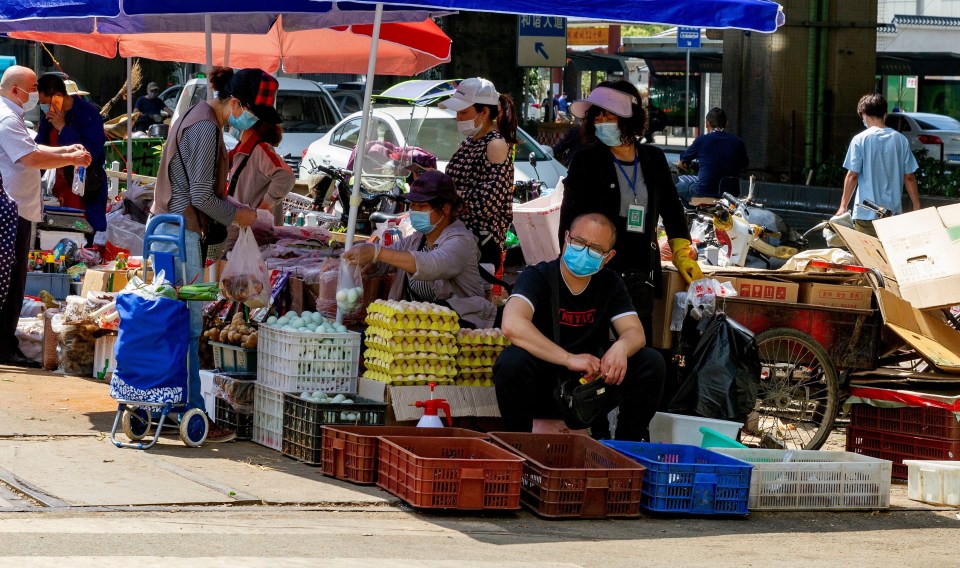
(208, 41)
(226, 50)
(129, 121)
(686, 105)
(362, 137)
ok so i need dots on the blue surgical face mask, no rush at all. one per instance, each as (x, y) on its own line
(245, 121)
(44, 108)
(420, 220)
(609, 133)
(580, 263)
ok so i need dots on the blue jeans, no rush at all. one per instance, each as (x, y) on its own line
(194, 270)
(688, 187)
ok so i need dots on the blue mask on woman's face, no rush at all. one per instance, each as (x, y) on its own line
(420, 220)
(245, 121)
(44, 108)
(581, 263)
(609, 133)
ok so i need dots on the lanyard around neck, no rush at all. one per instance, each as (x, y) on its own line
(632, 182)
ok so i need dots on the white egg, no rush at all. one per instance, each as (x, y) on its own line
(352, 295)
(341, 295)
(272, 320)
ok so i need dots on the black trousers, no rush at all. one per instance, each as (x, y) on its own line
(525, 390)
(10, 313)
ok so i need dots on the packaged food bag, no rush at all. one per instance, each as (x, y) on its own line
(246, 278)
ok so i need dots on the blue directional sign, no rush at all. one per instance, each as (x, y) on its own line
(541, 41)
(688, 38)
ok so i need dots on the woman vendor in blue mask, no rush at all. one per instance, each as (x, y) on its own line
(440, 262)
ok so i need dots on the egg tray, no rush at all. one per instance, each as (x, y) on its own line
(474, 382)
(476, 362)
(406, 380)
(412, 335)
(418, 356)
(381, 344)
(490, 337)
(414, 321)
(474, 374)
(303, 423)
(397, 369)
(482, 350)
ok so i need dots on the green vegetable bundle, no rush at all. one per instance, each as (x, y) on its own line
(204, 292)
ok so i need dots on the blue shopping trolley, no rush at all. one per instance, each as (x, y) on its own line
(151, 381)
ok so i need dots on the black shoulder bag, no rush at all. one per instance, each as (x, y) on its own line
(579, 404)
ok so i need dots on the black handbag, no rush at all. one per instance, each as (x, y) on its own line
(579, 404)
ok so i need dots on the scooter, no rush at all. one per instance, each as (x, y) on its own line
(751, 235)
(333, 190)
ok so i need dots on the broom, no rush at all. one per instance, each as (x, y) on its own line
(136, 75)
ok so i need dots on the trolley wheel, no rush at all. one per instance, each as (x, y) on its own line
(798, 397)
(135, 423)
(193, 427)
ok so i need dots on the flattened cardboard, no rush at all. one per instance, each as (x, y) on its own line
(464, 401)
(663, 308)
(103, 281)
(870, 253)
(936, 341)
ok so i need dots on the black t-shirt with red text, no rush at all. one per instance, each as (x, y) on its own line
(585, 318)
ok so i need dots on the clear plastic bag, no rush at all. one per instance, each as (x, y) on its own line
(79, 180)
(350, 288)
(246, 278)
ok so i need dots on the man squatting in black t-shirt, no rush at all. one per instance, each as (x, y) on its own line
(591, 300)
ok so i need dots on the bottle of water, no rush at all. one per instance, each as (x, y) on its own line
(79, 180)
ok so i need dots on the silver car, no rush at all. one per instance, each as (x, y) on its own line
(930, 131)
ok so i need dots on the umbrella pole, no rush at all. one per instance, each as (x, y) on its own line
(362, 138)
(208, 43)
(129, 121)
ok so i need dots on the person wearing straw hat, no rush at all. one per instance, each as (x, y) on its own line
(630, 183)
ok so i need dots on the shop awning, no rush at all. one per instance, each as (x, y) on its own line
(675, 60)
(587, 61)
(918, 63)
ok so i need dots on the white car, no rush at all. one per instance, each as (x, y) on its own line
(431, 128)
(930, 131)
(305, 107)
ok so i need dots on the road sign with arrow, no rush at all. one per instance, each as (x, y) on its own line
(541, 41)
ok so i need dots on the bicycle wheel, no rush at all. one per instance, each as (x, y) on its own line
(798, 397)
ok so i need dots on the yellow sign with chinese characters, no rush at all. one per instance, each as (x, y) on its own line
(588, 36)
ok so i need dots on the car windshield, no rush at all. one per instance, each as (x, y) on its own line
(937, 122)
(440, 137)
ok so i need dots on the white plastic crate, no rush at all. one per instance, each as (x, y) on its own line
(666, 428)
(268, 416)
(808, 480)
(934, 482)
(293, 361)
(206, 389)
(537, 224)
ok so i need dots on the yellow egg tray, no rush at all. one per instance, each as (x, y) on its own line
(413, 322)
(414, 357)
(412, 335)
(481, 350)
(492, 336)
(474, 383)
(408, 380)
(474, 362)
(416, 345)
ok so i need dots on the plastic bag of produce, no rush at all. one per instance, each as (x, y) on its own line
(246, 278)
(350, 288)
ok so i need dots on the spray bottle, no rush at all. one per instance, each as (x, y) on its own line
(430, 419)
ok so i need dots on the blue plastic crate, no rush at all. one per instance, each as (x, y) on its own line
(688, 479)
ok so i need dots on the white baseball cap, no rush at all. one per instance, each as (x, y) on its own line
(471, 92)
(611, 100)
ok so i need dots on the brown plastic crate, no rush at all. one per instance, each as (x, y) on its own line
(450, 473)
(897, 447)
(571, 475)
(350, 452)
(926, 421)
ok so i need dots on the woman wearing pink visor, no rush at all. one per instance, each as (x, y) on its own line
(617, 175)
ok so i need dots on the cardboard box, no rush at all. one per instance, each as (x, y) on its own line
(919, 251)
(836, 295)
(96, 280)
(936, 341)
(464, 401)
(769, 290)
(663, 309)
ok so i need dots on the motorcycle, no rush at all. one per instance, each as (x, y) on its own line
(750, 235)
(332, 194)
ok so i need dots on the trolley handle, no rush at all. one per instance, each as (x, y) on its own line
(150, 238)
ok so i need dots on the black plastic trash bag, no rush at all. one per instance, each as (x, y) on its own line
(722, 374)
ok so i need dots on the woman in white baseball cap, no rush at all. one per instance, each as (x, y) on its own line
(629, 182)
(482, 167)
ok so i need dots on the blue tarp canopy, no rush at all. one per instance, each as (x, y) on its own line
(758, 15)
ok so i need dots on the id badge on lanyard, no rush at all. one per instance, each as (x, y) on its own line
(635, 218)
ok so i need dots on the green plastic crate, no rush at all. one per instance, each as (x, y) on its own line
(146, 160)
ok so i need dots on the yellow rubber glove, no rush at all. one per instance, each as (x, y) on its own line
(685, 260)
